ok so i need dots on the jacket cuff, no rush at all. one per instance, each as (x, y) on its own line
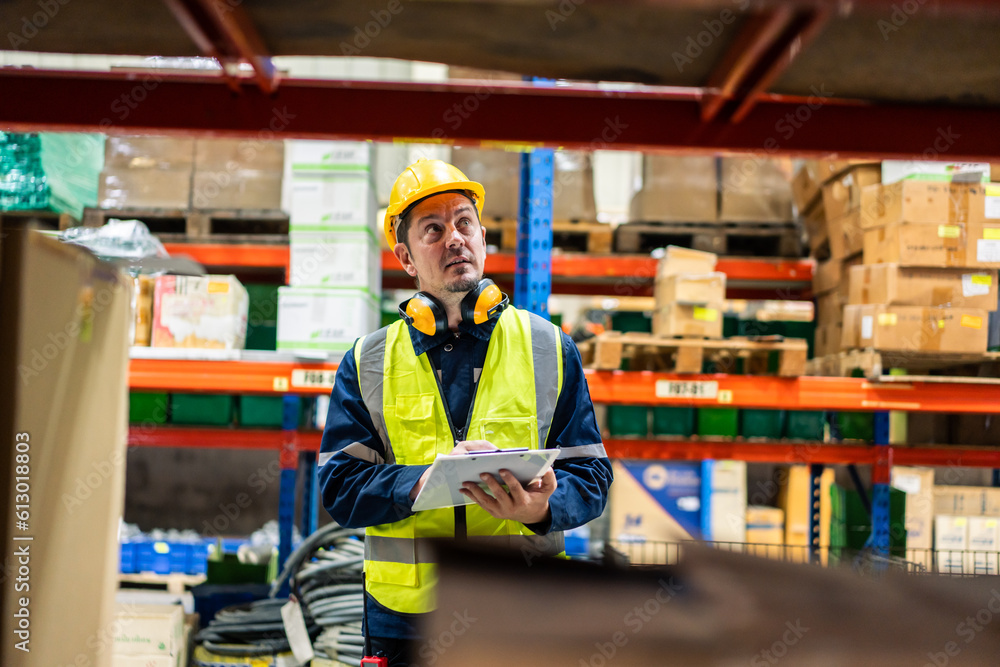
(408, 476)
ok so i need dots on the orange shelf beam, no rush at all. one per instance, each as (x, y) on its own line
(231, 377)
(236, 254)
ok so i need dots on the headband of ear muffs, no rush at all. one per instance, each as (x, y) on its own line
(427, 315)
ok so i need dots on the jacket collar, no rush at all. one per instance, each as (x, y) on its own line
(422, 342)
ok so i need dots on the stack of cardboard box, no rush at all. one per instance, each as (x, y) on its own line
(828, 196)
(928, 283)
(336, 270)
(689, 294)
(677, 189)
(237, 173)
(754, 190)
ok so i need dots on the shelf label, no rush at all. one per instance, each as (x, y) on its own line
(313, 379)
(678, 389)
(279, 384)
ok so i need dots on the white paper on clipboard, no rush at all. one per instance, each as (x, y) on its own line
(449, 472)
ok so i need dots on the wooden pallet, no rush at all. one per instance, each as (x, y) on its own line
(771, 239)
(567, 235)
(39, 219)
(172, 583)
(875, 364)
(174, 224)
(686, 355)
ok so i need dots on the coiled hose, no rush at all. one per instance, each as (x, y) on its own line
(324, 573)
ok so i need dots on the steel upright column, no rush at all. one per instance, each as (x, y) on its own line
(815, 501)
(533, 274)
(881, 477)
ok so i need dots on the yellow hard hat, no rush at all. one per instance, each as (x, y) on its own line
(422, 179)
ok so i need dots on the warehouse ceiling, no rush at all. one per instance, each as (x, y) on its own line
(938, 52)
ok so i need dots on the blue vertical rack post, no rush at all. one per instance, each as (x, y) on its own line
(881, 478)
(533, 273)
(289, 461)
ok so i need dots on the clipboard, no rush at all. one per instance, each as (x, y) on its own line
(449, 472)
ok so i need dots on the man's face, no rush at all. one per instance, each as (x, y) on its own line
(447, 245)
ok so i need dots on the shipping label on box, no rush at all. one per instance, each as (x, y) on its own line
(676, 319)
(916, 328)
(327, 156)
(984, 543)
(148, 629)
(691, 288)
(951, 541)
(894, 285)
(200, 311)
(321, 320)
(984, 242)
(348, 258)
(942, 245)
(323, 202)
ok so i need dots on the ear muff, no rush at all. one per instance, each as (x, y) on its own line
(424, 313)
(484, 302)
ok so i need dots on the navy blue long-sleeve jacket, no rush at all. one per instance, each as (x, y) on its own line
(360, 493)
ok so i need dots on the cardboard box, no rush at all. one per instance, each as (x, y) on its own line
(675, 319)
(573, 186)
(244, 188)
(827, 276)
(915, 328)
(317, 320)
(727, 499)
(967, 500)
(148, 630)
(923, 202)
(846, 237)
(684, 260)
(934, 170)
(817, 231)
(347, 258)
(145, 153)
(326, 201)
(894, 285)
(984, 238)
(951, 541)
(984, 543)
(754, 190)
(941, 245)
(309, 156)
(795, 500)
(118, 660)
(691, 288)
(829, 309)
(499, 172)
(144, 188)
(765, 525)
(827, 339)
(230, 155)
(843, 194)
(200, 311)
(918, 484)
(65, 339)
(677, 189)
(805, 188)
(142, 306)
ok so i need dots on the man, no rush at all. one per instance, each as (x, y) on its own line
(462, 372)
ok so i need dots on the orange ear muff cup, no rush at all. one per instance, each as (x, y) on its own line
(424, 314)
(486, 301)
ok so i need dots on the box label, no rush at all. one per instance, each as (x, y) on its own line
(992, 202)
(991, 233)
(988, 251)
(313, 379)
(976, 284)
(906, 482)
(886, 320)
(867, 326)
(676, 389)
(971, 322)
(949, 231)
(706, 314)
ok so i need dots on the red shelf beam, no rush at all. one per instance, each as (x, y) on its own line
(223, 438)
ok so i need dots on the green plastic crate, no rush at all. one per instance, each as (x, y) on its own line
(730, 325)
(805, 425)
(202, 409)
(768, 424)
(628, 420)
(838, 525)
(806, 330)
(856, 426)
(261, 411)
(673, 421)
(859, 523)
(263, 303)
(262, 337)
(148, 407)
(718, 422)
(631, 321)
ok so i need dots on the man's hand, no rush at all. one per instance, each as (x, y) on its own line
(463, 447)
(525, 504)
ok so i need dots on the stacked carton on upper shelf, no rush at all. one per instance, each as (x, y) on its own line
(335, 275)
(689, 294)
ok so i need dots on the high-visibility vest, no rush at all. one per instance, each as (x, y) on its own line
(513, 407)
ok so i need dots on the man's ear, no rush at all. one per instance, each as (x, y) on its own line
(402, 253)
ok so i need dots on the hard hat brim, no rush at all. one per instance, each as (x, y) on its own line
(397, 208)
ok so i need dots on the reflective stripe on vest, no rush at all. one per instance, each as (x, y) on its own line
(513, 407)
